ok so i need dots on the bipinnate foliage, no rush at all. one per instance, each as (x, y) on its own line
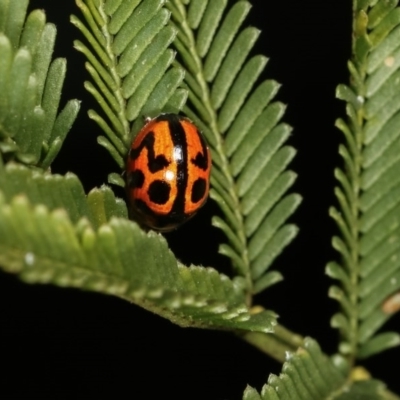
(242, 126)
(369, 193)
(30, 86)
(51, 232)
(134, 78)
(242, 129)
(131, 68)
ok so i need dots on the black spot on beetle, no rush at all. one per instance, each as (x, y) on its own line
(136, 179)
(154, 163)
(159, 192)
(201, 159)
(198, 190)
(157, 163)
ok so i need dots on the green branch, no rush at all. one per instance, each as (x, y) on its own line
(366, 201)
(179, 14)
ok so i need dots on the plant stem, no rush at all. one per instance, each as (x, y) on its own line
(357, 125)
(277, 344)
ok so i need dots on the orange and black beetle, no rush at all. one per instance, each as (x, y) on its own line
(168, 172)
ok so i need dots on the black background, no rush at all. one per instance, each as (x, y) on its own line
(63, 343)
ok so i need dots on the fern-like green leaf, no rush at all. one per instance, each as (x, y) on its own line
(130, 65)
(309, 374)
(30, 87)
(369, 192)
(51, 232)
(244, 131)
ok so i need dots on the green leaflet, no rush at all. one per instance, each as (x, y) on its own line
(310, 374)
(31, 131)
(130, 65)
(51, 232)
(61, 192)
(368, 194)
(243, 128)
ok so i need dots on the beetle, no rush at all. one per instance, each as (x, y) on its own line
(168, 172)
